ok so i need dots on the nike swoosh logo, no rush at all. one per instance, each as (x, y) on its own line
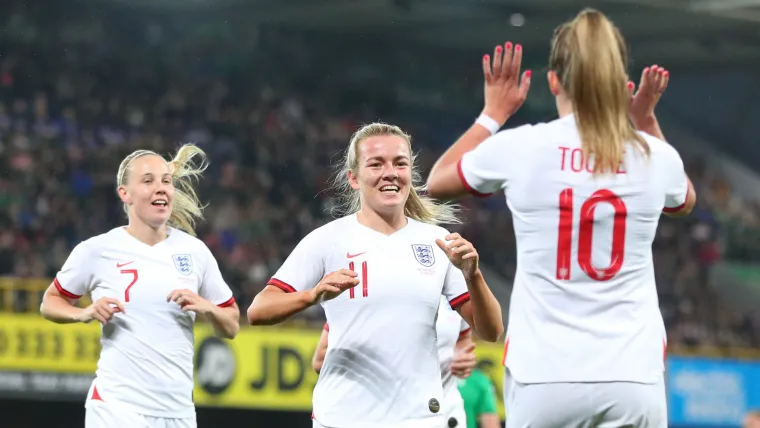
(351, 256)
(118, 265)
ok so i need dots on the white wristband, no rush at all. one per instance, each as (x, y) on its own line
(486, 122)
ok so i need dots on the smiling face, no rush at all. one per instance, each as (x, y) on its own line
(383, 175)
(147, 190)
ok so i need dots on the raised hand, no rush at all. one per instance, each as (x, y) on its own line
(461, 253)
(333, 284)
(505, 89)
(102, 310)
(654, 81)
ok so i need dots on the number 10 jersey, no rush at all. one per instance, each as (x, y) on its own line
(584, 306)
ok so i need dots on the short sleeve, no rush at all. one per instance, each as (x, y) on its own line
(487, 169)
(464, 328)
(75, 279)
(488, 402)
(676, 183)
(304, 267)
(455, 287)
(214, 288)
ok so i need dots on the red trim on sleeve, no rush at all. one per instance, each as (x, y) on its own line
(229, 302)
(664, 350)
(281, 285)
(506, 349)
(680, 207)
(464, 332)
(458, 301)
(95, 394)
(63, 291)
(327, 327)
(467, 185)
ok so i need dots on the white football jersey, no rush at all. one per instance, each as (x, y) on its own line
(584, 306)
(450, 327)
(146, 361)
(381, 367)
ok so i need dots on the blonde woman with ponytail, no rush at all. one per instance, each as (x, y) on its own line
(586, 192)
(379, 272)
(148, 281)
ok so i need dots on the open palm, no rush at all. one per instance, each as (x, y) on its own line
(505, 89)
(654, 81)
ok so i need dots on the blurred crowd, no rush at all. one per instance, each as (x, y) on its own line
(74, 104)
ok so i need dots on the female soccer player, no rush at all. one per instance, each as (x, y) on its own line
(148, 281)
(456, 356)
(379, 273)
(586, 192)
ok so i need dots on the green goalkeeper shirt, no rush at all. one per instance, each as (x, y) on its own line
(479, 397)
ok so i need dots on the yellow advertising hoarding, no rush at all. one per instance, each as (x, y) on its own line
(264, 367)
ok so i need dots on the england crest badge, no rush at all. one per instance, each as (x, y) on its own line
(183, 263)
(424, 254)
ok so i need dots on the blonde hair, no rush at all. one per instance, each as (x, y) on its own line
(589, 56)
(418, 206)
(184, 169)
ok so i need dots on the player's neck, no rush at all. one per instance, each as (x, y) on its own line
(564, 106)
(146, 234)
(385, 224)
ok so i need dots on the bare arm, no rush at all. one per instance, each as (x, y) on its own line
(489, 420)
(482, 311)
(319, 353)
(58, 308)
(273, 306)
(444, 181)
(505, 91)
(654, 80)
(650, 125)
(225, 320)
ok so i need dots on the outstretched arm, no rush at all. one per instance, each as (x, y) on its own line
(278, 301)
(505, 92)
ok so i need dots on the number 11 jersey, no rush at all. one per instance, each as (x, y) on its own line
(584, 305)
(381, 367)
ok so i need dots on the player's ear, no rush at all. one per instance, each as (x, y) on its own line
(353, 180)
(123, 195)
(554, 85)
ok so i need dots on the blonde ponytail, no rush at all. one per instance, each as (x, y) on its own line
(186, 167)
(588, 54)
(418, 206)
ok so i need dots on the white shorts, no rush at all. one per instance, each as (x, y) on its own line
(585, 405)
(405, 424)
(105, 415)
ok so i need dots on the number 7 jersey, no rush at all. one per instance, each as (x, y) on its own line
(584, 305)
(146, 361)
